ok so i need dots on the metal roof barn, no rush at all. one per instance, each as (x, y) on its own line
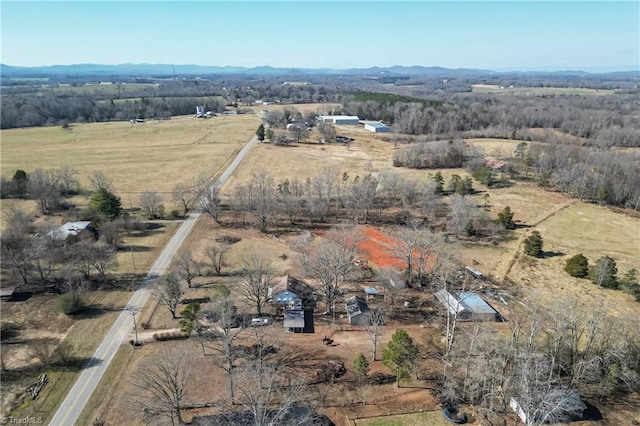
(377, 127)
(468, 306)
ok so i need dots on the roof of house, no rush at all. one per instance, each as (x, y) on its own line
(293, 318)
(289, 283)
(284, 297)
(7, 291)
(70, 228)
(355, 306)
(464, 301)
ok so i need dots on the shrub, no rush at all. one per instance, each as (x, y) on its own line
(70, 303)
(505, 218)
(604, 273)
(169, 335)
(577, 266)
(533, 244)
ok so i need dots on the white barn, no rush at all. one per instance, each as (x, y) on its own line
(375, 127)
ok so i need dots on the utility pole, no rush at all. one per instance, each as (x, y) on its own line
(135, 328)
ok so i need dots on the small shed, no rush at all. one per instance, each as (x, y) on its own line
(474, 272)
(356, 308)
(567, 403)
(294, 320)
(6, 293)
(372, 293)
(467, 306)
(70, 229)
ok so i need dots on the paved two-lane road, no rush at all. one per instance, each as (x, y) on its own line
(79, 394)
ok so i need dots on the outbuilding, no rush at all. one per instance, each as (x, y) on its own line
(375, 127)
(467, 306)
(339, 119)
(356, 308)
(70, 229)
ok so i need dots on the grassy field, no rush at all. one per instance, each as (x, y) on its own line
(539, 91)
(151, 156)
(105, 88)
(432, 418)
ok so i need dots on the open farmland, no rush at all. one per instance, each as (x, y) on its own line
(151, 156)
(194, 146)
(539, 91)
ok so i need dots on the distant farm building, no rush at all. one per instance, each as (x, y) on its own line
(375, 127)
(467, 306)
(339, 119)
(70, 229)
(356, 308)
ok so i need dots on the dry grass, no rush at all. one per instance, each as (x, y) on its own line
(433, 418)
(152, 156)
(539, 91)
(594, 231)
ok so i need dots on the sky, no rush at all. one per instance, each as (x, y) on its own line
(500, 36)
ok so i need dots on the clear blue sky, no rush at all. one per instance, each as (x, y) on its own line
(336, 34)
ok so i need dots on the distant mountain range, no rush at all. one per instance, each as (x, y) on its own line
(156, 70)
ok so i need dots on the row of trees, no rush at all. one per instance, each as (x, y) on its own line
(609, 122)
(602, 176)
(332, 195)
(603, 273)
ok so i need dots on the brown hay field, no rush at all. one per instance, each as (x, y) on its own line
(318, 108)
(594, 231)
(539, 91)
(151, 156)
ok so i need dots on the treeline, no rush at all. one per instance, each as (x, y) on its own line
(61, 108)
(592, 174)
(40, 106)
(608, 122)
(333, 196)
(545, 362)
(389, 98)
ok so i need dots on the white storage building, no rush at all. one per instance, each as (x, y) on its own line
(339, 119)
(375, 127)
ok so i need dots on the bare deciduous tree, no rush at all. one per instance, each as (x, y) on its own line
(186, 267)
(100, 181)
(257, 272)
(224, 313)
(162, 384)
(375, 321)
(151, 203)
(210, 203)
(68, 179)
(169, 292)
(332, 261)
(217, 254)
(43, 186)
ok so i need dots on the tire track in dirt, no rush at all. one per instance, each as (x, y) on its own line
(503, 266)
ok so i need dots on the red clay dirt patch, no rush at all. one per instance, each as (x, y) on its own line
(377, 249)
